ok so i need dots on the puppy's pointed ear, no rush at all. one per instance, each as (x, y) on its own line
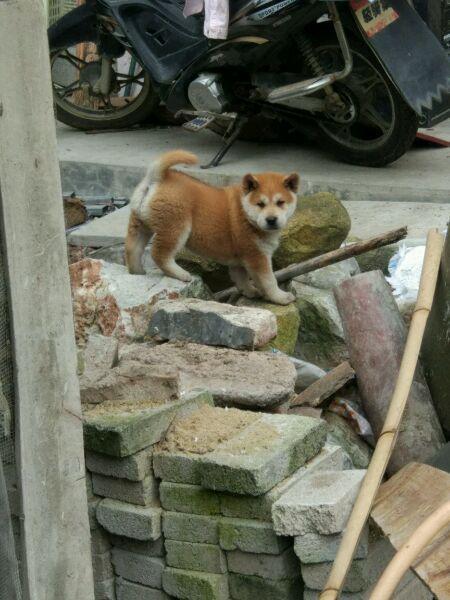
(249, 183)
(291, 182)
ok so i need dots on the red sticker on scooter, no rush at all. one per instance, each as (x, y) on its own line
(374, 16)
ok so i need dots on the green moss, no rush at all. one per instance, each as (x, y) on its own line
(187, 498)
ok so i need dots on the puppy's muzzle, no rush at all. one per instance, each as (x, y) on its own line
(272, 222)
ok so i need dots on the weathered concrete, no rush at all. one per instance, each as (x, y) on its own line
(321, 503)
(283, 566)
(128, 590)
(230, 375)
(193, 585)
(212, 323)
(187, 498)
(376, 335)
(129, 520)
(208, 558)
(143, 492)
(248, 535)
(317, 548)
(187, 527)
(100, 542)
(342, 433)
(134, 467)
(102, 567)
(105, 590)
(139, 568)
(249, 587)
(148, 547)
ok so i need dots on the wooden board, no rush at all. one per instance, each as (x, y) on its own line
(402, 504)
(325, 387)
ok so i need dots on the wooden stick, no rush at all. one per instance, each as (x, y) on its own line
(330, 258)
(324, 387)
(408, 553)
(388, 435)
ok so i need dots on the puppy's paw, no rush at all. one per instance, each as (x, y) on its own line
(250, 292)
(282, 297)
(186, 278)
(136, 271)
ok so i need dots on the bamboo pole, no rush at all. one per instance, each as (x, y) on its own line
(329, 258)
(388, 435)
(409, 552)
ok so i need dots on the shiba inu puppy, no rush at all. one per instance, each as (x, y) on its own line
(238, 226)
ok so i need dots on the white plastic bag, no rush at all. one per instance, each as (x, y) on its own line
(405, 268)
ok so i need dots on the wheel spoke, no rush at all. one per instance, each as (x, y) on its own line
(371, 114)
(68, 89)
(73, 60)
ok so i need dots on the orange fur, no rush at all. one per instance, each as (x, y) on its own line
(228, 225)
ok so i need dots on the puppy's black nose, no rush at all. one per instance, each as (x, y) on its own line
(271, 221)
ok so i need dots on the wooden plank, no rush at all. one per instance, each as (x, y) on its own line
(55, 527)
(402, 504)
(325, 387)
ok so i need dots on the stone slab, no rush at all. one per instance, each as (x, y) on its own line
(134, 467)
(248, 535)
(317, 548)
(128, 590)
(187, 498)
(128, 520)
(283, 566)
(212, 323)
(139, 568)
(187, 527)
(320, 503)
(249, 587)
(208, 558)
(143, 492)
(193, 585)
(148, 548)
(123, 433)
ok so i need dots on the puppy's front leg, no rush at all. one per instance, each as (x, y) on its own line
(260, 269)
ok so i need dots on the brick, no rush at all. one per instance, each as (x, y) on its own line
(190, 556)
(249, 587)
(101, 566)
(194, 585)
(212, 323)
(143, 492)
(128, 590)
(190, 528)
(281, 566)
(250, 536)
(147, 570)
(317, 548)
(148, 548)
(105, 590)
(125, 433)
(99, 541)
(188, 499)
(136, 522)
(134, 467)
(330, 458)
(320, 503)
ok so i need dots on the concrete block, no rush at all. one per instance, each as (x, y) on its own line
(190, 528)
(101, 566)
(148, 548)
(250, 536)
(134, 467)
(249, 587)
(193, 585)
(119, 433)
(143, 492)
(282, 566)
(208, 558)
(128, 590)
(186, 498)
(136, 522)
(317, 548)
(89, 490)
(341, 433)
(320, 503)
(212, 323)
(330, 458)
(105, 590)
(99, 541)
(177, 467)
(147, 570)
(92, 512)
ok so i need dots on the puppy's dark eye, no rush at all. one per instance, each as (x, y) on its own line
(280, 203)
(261, 204)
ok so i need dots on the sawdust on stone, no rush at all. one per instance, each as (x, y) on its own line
(204, 429)
(109, 407)
(258, 438)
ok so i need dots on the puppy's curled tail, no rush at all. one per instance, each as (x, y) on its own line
(176, 157)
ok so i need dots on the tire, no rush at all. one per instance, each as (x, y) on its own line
(136, 112)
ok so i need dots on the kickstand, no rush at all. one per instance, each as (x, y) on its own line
(228, 142)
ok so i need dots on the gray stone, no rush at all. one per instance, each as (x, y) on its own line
(128, 590)
(92, 512)
(248, 535)
(99, 541)
(328, 277)
(319, 503)
(342, 434)
(208, 558)
(330, 458)
(194, 585)
(119, 433)
(143, 492)
(249, 587)
(134, 467)
(100, 354)
(321, 335)
(187, 498)
(283, 566)
(212, 323)
(102, 567)
(148, 548)
(105, 590)
(89, 490)
(5, 416)
(307, 373)
(190, 528)
(317, 548)
(139, 568)
(230, 375)
(128, 520)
